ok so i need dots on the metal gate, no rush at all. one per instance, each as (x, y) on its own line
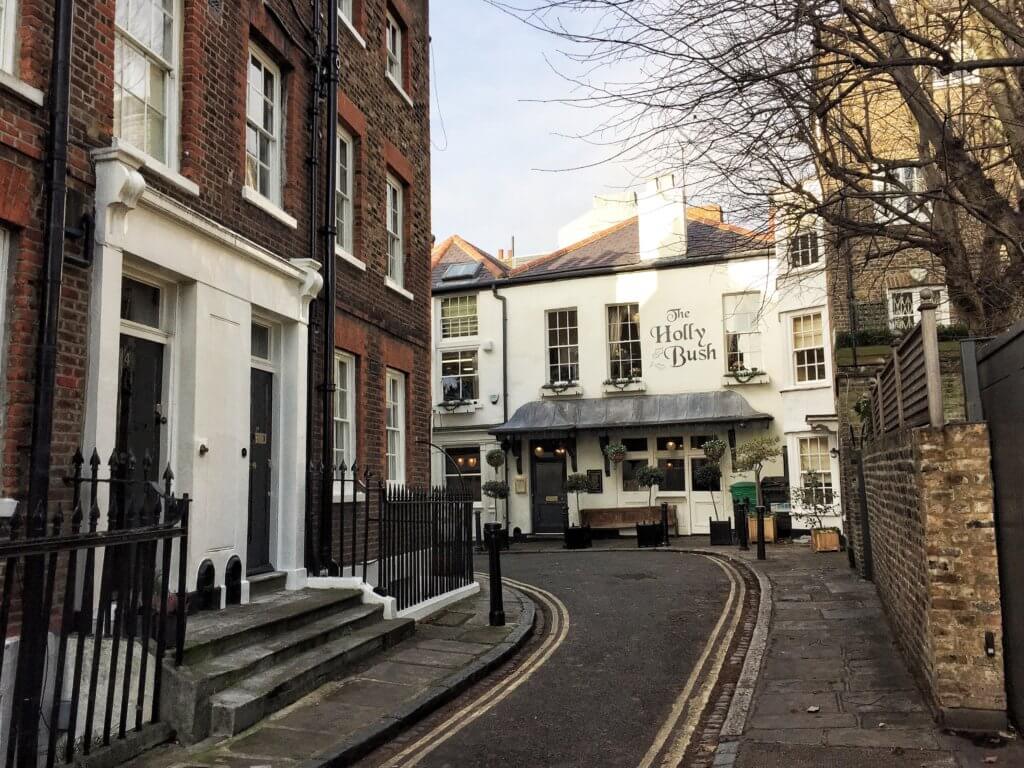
(999, 391)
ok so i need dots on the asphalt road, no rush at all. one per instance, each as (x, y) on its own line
(638, 624)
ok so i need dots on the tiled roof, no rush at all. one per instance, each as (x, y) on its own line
(455, 250)
(619, 246)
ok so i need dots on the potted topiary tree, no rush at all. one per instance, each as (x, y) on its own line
(709, 475)
(577, 537)
(497, 489)
(751, 457)
(650, 534)
(495, 457)
(813, 502)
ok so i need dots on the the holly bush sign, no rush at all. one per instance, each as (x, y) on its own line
(680, 340)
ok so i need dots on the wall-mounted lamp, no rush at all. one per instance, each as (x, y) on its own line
(539, 450)
(671, 445)
(834, 453)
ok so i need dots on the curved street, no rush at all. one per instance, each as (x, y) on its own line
(622, 657)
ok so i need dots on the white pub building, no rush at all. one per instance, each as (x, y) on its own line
(654, 325)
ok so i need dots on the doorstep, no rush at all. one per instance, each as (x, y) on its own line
(347, 718)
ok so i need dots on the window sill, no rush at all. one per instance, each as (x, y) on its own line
(400, 89)
(161, 170)
(818, 266)
(18, 87)
(344, 255)
(636, 386)
(731, 381)
(823, 384)
(569, 392)
(347, 23)
(7, 507)
(398, 289)
(250, 195)
(468, 407)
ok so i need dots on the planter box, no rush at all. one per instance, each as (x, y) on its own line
(769, 529)
(823, 540)
(721, 533)
(650, 535)
(578, 538)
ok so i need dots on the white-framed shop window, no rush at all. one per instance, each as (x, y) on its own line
(459, 316)
(146, 67)
(563, 346)
(462, 469)
(344, 409)
(395, 425)
(902, 306)
(740, 313)
(638, 455)
(395, 227)
(344, 210)
(808, 340)
(263, 127)
(393, 34)
(8, 34)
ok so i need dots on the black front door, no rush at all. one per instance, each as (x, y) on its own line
(140, 416)
(260, 418)
(548, 499)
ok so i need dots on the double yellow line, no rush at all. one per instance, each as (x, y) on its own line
(675, 734)
(555, 636)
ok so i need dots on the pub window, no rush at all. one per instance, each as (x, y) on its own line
(624, 342)
(675, 474)
(629, 470)
(459, 376)
(702, 483)
(467, 461)
(563, 347)
(742, 333)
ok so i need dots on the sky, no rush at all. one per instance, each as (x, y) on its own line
(496, 154)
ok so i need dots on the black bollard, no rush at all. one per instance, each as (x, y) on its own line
(479, 532)
(744, 528)
(492, 534)
(664, 524)
(760, 534)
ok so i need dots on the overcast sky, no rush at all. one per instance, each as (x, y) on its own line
(487, 182)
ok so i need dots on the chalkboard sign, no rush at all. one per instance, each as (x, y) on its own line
(595, 479)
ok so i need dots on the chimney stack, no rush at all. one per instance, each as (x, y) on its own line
(661, 210)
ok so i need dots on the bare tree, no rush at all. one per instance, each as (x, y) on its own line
(899, 123)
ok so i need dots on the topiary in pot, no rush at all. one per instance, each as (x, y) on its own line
(647, 477)
(495, 457)
(577, 484)
(495, 489)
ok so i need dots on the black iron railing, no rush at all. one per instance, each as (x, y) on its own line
(106, 605)
(426, 542)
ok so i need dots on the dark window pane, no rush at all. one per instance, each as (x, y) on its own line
(468, 462)
(701, 483)
(629, 468)
(260, 342)
(635, 443)
(140, 303)
(675, 474)
(671, 443)
(697, 441)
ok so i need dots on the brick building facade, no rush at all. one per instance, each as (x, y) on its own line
(190, 147)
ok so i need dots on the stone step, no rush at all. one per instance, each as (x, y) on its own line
(223, 670)
(214, 633)
(263, 584)
(239, 707)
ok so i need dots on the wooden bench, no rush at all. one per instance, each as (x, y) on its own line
(625, 518)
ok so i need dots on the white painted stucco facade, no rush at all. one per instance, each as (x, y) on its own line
(213, 286)
(682, 314)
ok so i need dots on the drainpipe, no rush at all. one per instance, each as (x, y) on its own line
(29, 677)
(311, 558)
(332, 62)
(504, 374)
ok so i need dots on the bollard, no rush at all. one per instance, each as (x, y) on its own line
(492, 533)
(664, 524)
(760, 534)
(479, 532)
(744, 529)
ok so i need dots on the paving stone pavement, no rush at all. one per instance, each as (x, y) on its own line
(372, 699)
(833, 689)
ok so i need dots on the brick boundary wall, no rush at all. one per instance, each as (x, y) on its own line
(932, 516)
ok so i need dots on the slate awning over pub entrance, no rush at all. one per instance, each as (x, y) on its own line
(552, 418)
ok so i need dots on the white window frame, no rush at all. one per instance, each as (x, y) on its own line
(345, 391)
(172, 79)
(345, 206)
(461, 323)
(906, 177)
(957, 77)
(752, 336)
(394, 211)
(274, 170)
(795, 350)
(611, 344)
(460, 356)
(393, 42)
(394, 425)
(824, 458)
(941, 294)
(572, 324)
(796, 248)
(8, 34)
